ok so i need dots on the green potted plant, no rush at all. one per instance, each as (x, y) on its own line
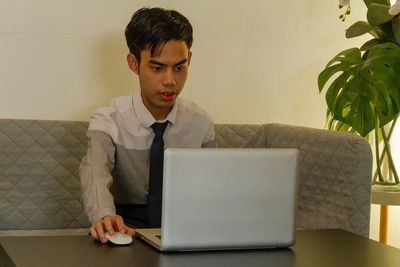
(362, 85)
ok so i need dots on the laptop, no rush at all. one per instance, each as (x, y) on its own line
(220, 199)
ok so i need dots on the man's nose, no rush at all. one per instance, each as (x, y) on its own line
(169, 79)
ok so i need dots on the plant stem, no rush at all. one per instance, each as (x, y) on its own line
(382, 156)
(378, 166)
(392, 167)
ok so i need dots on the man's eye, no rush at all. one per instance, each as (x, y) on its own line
(180, 68)
(157, 68)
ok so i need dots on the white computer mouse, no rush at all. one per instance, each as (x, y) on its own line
(119, 238)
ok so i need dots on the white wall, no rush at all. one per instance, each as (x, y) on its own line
(253, 61)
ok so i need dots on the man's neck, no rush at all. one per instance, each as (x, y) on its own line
(160, 115)
(157, 113)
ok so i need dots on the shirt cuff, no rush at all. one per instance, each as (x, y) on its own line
(101, 214)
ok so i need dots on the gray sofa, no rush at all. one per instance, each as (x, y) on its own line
(40, 189)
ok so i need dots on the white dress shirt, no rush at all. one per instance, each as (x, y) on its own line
(116, 166)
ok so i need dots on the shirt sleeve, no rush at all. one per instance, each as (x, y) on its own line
(95, 175)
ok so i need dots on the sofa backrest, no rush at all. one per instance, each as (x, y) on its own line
(39, 161)
(40, 188)
(39, 184)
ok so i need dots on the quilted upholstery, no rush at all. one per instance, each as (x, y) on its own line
(335, 171)
(240, 135)
(39, 184)
(335, 177)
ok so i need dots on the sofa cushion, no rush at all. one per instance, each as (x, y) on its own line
(39, 184)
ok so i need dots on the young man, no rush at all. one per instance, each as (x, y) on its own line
(120, 174)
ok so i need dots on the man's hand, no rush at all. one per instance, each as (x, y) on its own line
(109, 224)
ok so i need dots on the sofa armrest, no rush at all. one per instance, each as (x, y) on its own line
(335, 176)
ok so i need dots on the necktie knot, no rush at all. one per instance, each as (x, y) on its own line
(159, 128)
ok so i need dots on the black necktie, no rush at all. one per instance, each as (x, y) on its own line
(156, 175)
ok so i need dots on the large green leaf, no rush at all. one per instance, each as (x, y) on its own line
(382, 2)
(359, 28)
(380, 74)
(340, 83)
(364, 90)
(351, 56)
(335, 125)
(377, 33)
(396, 29)
(387, 32)
(342, 61)
(378, 14)
(353, 107)
(369, 44)
(363, 27)
(326, 74)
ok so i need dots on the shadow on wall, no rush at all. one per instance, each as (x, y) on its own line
(112, 71)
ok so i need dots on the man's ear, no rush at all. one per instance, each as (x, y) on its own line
(189, 57)
(133, 63)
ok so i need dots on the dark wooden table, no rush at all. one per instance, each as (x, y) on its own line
(320, 248)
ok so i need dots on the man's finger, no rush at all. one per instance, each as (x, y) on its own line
(93, 233)
(130, 231)
(120, 224)
(100, 232)
(108, 226)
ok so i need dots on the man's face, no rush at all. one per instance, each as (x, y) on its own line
(162, 77)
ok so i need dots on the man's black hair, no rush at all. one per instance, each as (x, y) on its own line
(151, 28)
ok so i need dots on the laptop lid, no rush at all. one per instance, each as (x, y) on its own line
(228, 198)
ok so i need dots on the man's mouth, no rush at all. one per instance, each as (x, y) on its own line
(167, 96)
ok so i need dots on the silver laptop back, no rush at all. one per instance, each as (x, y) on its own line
(228, 198)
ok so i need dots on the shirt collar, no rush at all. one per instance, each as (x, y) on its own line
(144, 115)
